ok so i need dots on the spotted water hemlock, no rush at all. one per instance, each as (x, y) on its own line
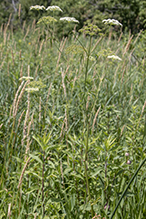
(112, 21)
(46, 20)
(69, 19)
(114, 57)
(54, 8)
(26, 78)
(37, 7)
(32, 89)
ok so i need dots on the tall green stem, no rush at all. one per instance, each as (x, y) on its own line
(87, 125)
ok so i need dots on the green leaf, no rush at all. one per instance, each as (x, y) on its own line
(36, 158)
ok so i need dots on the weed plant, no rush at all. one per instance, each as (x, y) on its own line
(72, 124)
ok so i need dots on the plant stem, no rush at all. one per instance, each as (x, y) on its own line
(43, 206)
(123, 194)
(87, 133)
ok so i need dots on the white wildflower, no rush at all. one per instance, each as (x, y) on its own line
(31, 89)
(69, 19)
(26, 78)
(114, 57)
(37, 7)
(54, 8)
(46, 20)
(112, 21)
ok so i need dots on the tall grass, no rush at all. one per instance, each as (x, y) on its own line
(71, 141)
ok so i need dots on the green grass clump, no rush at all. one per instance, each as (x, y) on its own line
(72, 125)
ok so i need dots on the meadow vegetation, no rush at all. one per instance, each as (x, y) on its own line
(72, 122)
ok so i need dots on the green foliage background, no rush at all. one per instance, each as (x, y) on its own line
(130, 13)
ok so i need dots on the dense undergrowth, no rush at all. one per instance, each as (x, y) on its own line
(72, 125)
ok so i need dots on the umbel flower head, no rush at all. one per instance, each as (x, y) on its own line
(69, 19)
(37, 7)
(114, 57)
(26, 78)
(31, 89)
(112, 22)
(47, 20)
(54, 8)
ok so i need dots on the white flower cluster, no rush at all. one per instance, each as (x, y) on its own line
(69, 19)
(54, 8)
(31, 89)
(112, 21)
(26, 78)
(114, 57)
(37, 7)
(51, 8)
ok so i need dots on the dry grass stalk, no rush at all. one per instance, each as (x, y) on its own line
(9, 36)
(27, 32)
(123, 75)
(120, 37)
(63, 84)
(95, 118)
(23, 171)
(122, 130)
(96, 44)
(28, 138)
(62, 44)
(20, 55)
(15, 99)
(66, 120)
(21, 71)
(62, 128)
(12, 57)
(36, 71)
(9, 20)
(127, 45)
(87, 104)
(35, 215)
(141, 114)
(1, 28)
(19, 11)
(26, 118)
(23, 27)
(143, 107)
(40, 110)
(12, 31)
(116, 73)
(9, 210)
(5, 35)
(41, 45)
(5, 29)
(19, 120)
(33, 25)
(28, 71)
(19, 98)
(135, 41)
(7, 192)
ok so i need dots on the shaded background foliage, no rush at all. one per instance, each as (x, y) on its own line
(130, 13)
